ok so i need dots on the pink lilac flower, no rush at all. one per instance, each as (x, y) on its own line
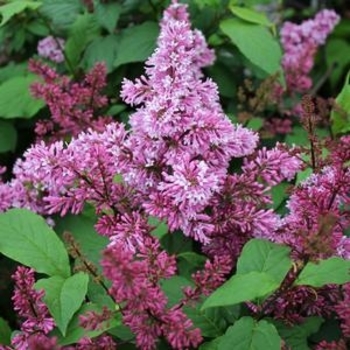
(29, 305)
(59, 178)
(343, 311)
(93, 320)
(43, 342)
(316, 215)
(297, 303)
(273, 165)
(74, 106)
(300, 43)
(180, 139)
(275, 126)
(239, 210)
(174, 161)
(103, 342)
(208, 279)
(135, 287)
(51, 48)
(333, 345)
(130, 229)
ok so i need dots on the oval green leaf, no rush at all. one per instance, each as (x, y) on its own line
(248, 334)
(241, 288)
(8, 137)
(331, 271)
(263, 256)
(256, 43)
(137, 43)
(16, 100)
(251, 15)
(25, 237)
(64, 296)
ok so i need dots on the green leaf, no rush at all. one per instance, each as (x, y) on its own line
(122, 332)
(8, 137)
(256, 43)
(102, 49)
(82, 228)
(251, 3)
(137, 43)
(176, 243)
(98, 295)
(211, 321)
(118, 179)
(160, 227)
(38, 28)
(108, 15)
(296, 336)
(25, 237)
(279, 194)
(172, 287)
(5, 332)
(255, 123)
(298, 136)
(190, 262)
(303, 175)
(241, 288)
(341, 119)
(16, 100)
(337, 62)
(330, 271)
(7, 11)
(329, 331)
(251, 15)
(75, 332)
(116, 109)
(11, 70)
(211, 3)
(64, 297)
(82, 32)
(212, 345)
(61, 13)
(223, 77)
(248, 334)
(263, 256)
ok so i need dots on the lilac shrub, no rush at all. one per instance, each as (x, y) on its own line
(184, 163)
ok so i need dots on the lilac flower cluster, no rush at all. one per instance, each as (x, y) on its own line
(181, 140)
(314, 228)
(51, 48)
(29, 305)
(73, 105)
(146, 313)
(318, 213)
(58, 179)
(343, 311)
(175, 163)
(300, 43)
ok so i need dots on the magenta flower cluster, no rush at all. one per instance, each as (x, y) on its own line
(29, 306)
(317, 210)
(300, 43)
(74, 106)
(146, 313)
(52, 49)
